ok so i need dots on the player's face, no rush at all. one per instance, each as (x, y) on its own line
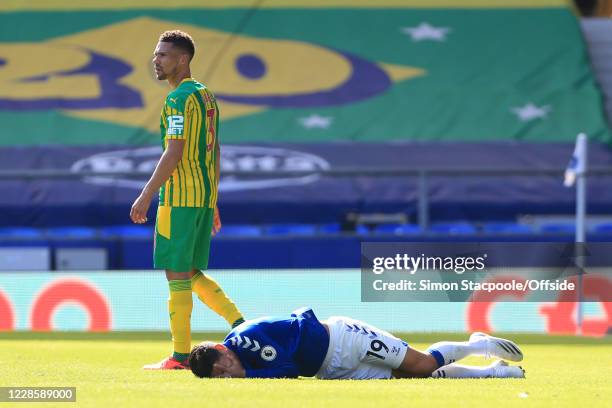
(166, 60)
(228, 365)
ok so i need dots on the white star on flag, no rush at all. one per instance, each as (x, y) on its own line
(316, 121)
(531, 112)
(426, 31)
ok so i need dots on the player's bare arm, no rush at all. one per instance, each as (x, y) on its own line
(216, 222)
(164, 169)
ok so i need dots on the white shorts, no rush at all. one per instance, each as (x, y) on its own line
(359, 351)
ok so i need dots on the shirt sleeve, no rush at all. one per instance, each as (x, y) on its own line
(287, 370)
(175, 118)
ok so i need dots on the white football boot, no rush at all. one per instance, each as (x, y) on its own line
(496, 347)
(501, 369)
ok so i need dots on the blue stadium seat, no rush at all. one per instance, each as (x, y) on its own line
(291, 229)
(72, 232)
(362, 230)
(127, 231)
(20, 232)
(453, 228)
(604, 228)
(507, 228)
(398, 229)
(333, 228)
(237, 230)
(558, 228)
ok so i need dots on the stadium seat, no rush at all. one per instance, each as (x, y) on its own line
(506, 228)
(603, 228)
(333, 228)
(362, 230)
(20, 232)
(453, 228)
(558, 228)
(127, 231)
(240, 230)
(397, 229)
(72, 232)
(291, 229)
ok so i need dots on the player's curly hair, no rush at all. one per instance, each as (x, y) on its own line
(202, 358)
(179, 39)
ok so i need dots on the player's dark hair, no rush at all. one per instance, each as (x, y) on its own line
(202, 358)
(179, 39)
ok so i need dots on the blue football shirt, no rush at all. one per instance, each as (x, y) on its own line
(275, 347)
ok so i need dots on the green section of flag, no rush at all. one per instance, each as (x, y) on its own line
(51, 128)
(492, 63)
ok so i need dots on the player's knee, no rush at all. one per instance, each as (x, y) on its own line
(172, 275)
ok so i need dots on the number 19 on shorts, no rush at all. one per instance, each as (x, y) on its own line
(376, 348)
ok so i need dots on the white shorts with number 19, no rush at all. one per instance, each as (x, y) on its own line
(360, 351)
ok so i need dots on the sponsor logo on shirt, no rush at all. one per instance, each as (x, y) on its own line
(175, 125)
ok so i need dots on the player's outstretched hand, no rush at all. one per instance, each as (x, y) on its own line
(138, 213)
(216, 227)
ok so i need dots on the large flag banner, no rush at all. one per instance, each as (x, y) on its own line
(287, 71)
(302, 85)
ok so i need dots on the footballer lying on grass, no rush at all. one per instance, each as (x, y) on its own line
(342, 348)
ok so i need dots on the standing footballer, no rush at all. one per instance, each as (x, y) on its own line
(187, 177)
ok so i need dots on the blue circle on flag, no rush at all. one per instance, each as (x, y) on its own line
(251, 66)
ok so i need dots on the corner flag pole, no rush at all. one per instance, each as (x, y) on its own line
(576, 172)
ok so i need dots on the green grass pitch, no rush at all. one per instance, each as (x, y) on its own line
(106, 369)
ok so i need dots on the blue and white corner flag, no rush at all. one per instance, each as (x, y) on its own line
(577, 164)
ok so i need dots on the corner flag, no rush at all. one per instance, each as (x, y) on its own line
(577, 164)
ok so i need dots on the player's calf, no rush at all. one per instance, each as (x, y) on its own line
(416, 364)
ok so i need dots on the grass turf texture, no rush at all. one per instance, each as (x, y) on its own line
(106, 369)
